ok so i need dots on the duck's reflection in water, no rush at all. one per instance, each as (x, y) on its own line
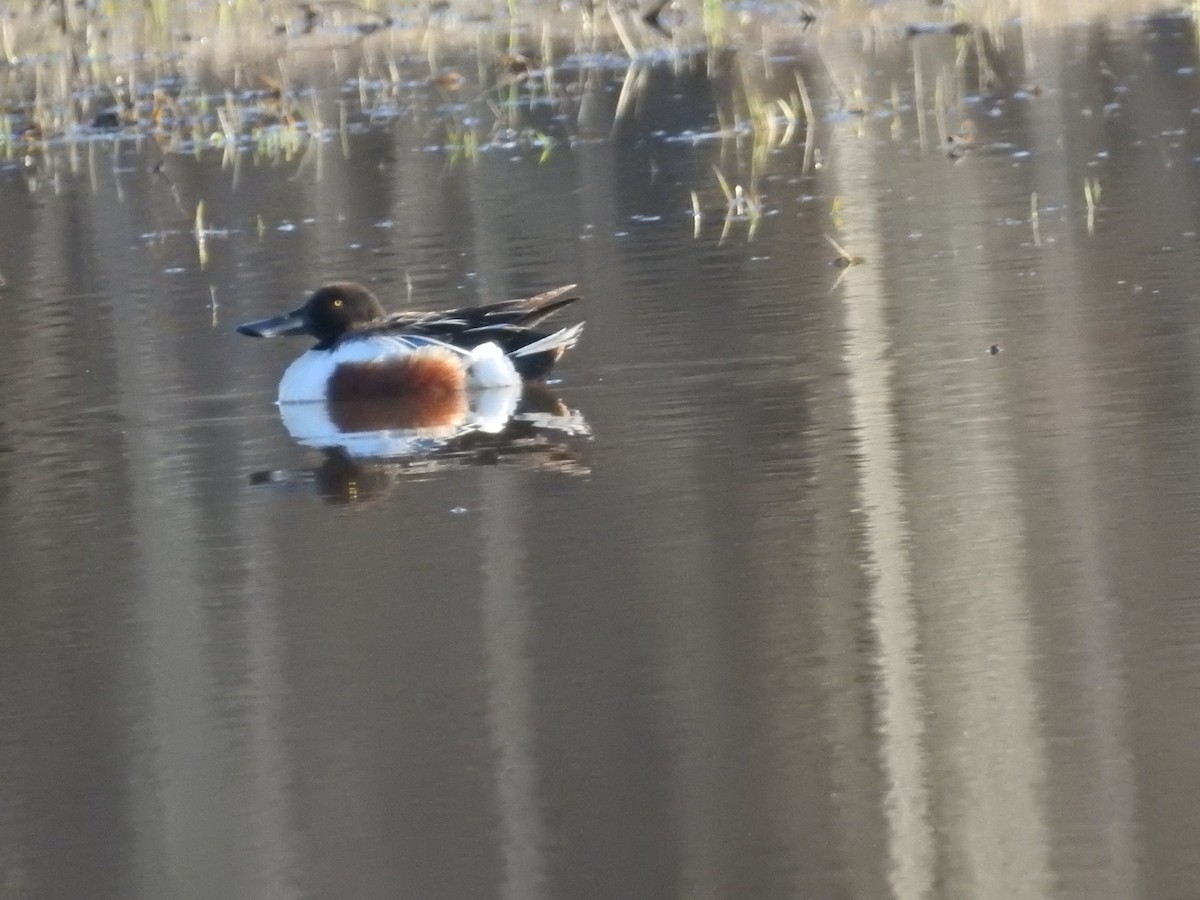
(369, 445)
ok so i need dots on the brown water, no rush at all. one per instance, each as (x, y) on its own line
(830, 602)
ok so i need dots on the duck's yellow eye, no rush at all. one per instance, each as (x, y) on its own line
(337, 302)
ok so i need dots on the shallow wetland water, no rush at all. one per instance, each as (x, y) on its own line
(799, 579)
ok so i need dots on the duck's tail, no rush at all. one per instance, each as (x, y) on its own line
(537, 358)
(563, 339)
(494, 365)
(490, 368)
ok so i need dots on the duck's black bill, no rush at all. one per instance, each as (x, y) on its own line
(276, 326)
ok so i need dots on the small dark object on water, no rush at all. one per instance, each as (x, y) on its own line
(115, 117)
(450, 81)
(312, 18)
(516, 63)
(963, 141)
(650, 17)
(958, 29)
(994, 349)
(845, 259)
(368, 28)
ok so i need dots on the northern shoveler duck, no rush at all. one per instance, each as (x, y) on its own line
(364, 353)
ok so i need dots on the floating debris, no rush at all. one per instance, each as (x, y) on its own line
(115, 117)
(449, 81)
(201, 235)
(844, 259)
(1034, 219)
(651, 17)
(1091, 197)
(958, 29)
(516, 63)
(962, 141)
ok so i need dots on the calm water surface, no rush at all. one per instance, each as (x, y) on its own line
(825, 600)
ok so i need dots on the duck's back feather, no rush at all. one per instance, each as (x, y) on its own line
(455, 325)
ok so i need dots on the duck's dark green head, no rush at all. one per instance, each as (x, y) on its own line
(327, 315)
